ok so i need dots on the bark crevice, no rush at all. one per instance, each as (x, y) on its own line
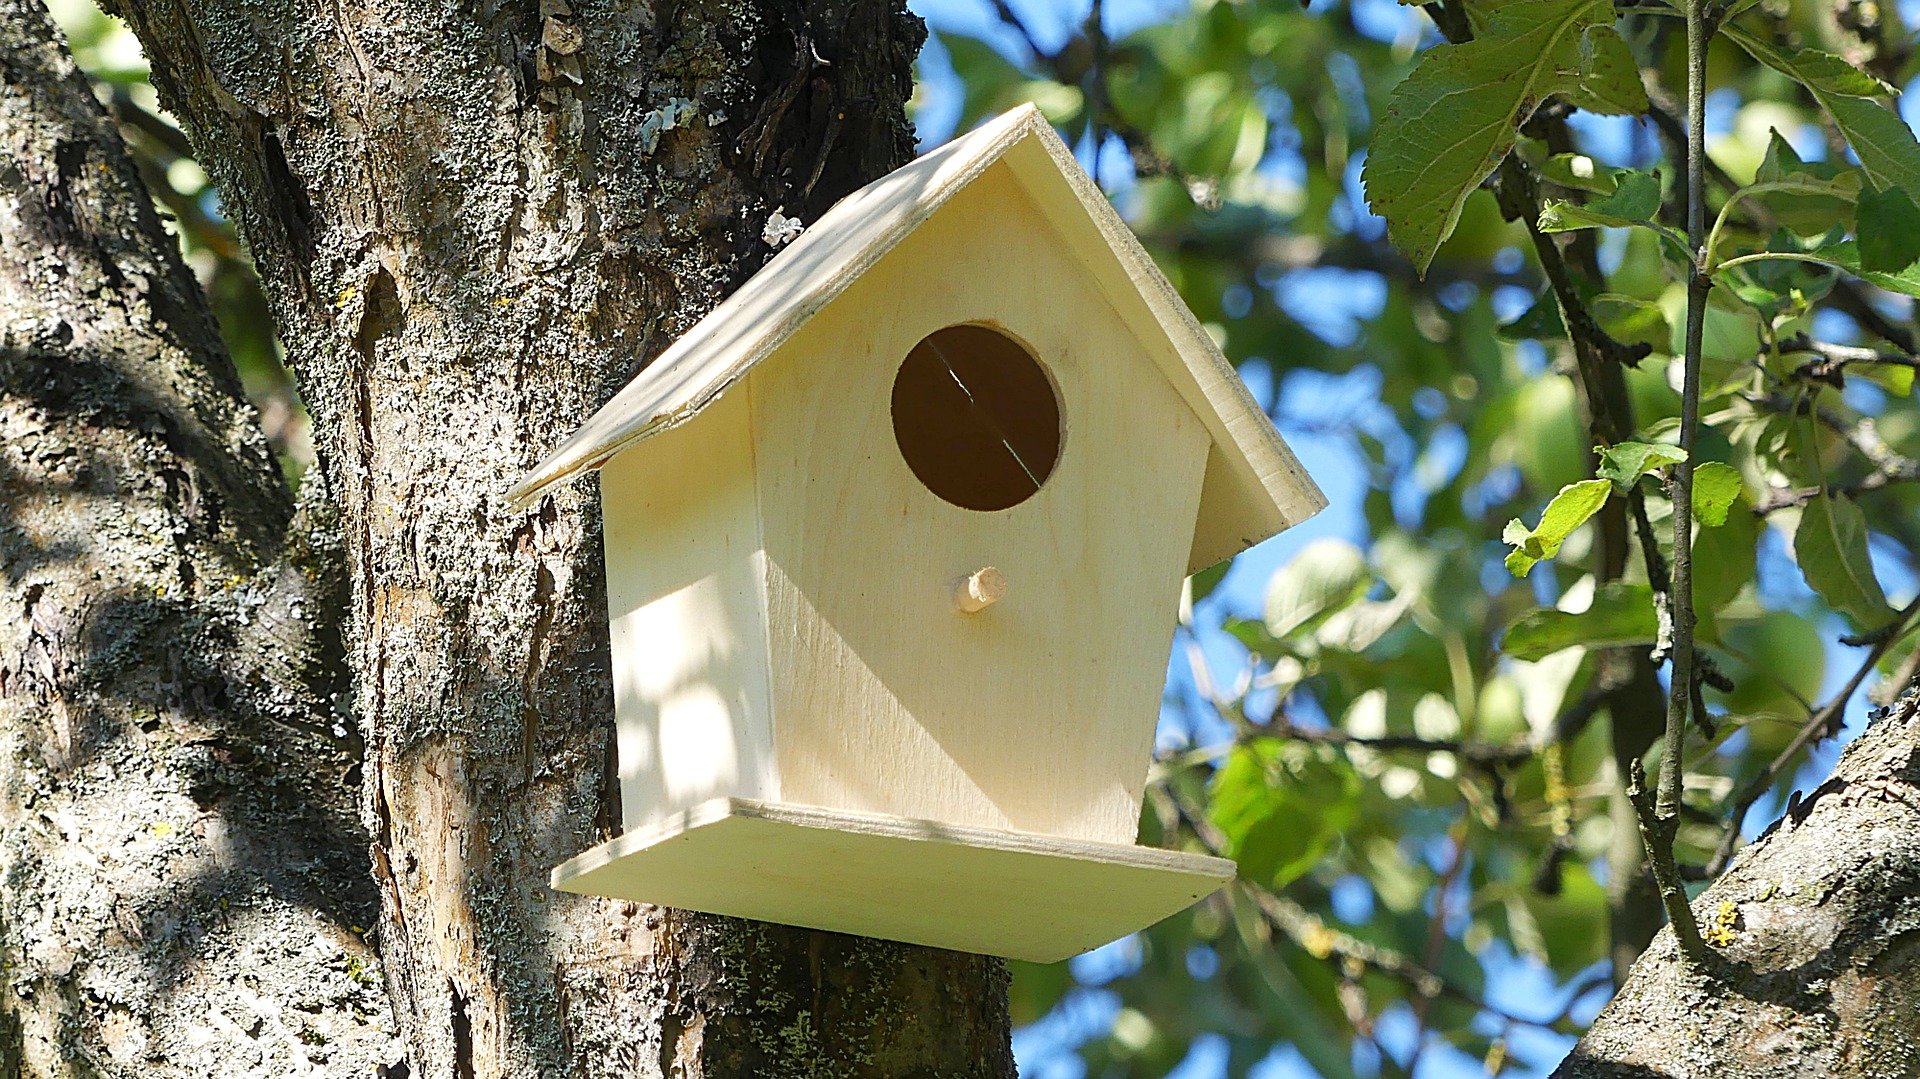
(185, 893)
(473, 227)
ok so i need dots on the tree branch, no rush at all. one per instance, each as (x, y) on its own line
(1317, 938)
(1486, 755)
(1660, 817)
(1822, 723)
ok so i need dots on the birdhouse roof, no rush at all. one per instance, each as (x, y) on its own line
(1254, 487)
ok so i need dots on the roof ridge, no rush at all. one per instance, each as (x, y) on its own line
(1253, 483)
(650, 404)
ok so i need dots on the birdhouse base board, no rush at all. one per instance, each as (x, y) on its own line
(1014, 894)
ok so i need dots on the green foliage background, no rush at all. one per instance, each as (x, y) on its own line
(1414, 748)
(1411, 737)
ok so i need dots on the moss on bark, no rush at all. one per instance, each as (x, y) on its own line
(180, 866)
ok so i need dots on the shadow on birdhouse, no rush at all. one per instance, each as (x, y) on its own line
(894, 544)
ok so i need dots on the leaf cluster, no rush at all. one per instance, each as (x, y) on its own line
(1429, 246)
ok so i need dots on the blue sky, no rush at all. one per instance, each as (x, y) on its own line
(1333, 304)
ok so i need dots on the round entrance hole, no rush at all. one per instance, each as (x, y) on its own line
(976, 418)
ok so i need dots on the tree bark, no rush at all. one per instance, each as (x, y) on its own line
(1816, 965)
(182, 867)
(474, 223)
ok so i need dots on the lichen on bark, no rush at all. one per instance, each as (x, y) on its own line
(474, 223)
(180, 874)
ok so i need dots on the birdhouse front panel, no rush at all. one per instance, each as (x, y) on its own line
(973, 402)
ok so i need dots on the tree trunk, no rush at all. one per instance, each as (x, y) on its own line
(474, 222)
(1816, 969)
(182, 863)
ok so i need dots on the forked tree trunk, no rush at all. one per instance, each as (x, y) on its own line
(1816, 971)
(472, 230)
(181, 864)
(474, 222)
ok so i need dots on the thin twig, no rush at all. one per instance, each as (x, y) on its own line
(1781, 498)
(1018, 25)
(1314, 935)
(1482, 754)
(1836, 357)
(1148, 160)
(1098, 103)
(1660, 814)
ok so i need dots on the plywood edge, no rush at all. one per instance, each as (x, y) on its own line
(1038, 898)
(713, 811)
(894, 206)
(593, 859)
(1260, 488)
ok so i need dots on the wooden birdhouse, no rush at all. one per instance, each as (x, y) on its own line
(895, 540)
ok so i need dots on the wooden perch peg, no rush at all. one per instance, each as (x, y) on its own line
(979, 590)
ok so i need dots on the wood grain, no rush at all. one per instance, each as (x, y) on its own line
(1037, 714)
(999, 893)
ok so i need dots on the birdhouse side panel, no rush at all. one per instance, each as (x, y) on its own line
(685, 572)
(1036, 712)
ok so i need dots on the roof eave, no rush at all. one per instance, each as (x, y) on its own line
(903, 200)
(1254, 485)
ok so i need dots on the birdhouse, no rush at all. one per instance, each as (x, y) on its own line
(894, 541)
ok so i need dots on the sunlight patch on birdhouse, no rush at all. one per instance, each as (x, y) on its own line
(697, 750)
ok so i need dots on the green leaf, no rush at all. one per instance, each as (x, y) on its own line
(1831, 547)
(1777, 662)
(1846, 255)
(1882, 141)
(1581, 173)
(1569, 510)
(1623, 464)
(1820, 72)
(1783, 161)
(1783, 164)
(1450, 122)
(1567, 921)
(1635, 201)
(991, 83)
(1715, 486)
(1036, 988)
(1281, 805)
(1631, 321)
(1888, 152)
(1807, 196)
(1621, 614)
(1889, 230)
(1609, 76)
(1777, 286)
(1326, 575)
(1202, 584)
(1723, 562)
(1541, 322)
(1896, 379)
(1356, 627)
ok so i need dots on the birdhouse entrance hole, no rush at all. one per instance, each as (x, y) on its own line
(976, 417)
